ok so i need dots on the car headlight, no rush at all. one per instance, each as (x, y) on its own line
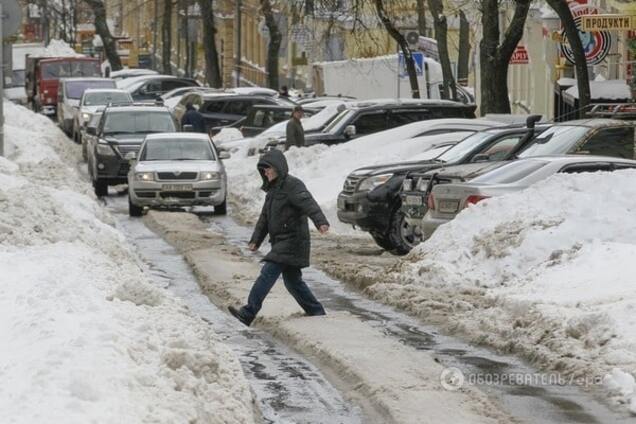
(104, 149)
(144, 176)
(205, 176)
(373, 182)
(86, 116)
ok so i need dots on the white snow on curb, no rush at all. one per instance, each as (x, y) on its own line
(563, 251)
(86, 337)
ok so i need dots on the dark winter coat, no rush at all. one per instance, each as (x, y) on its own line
(193, 117)
(284, 215)
(295, 134)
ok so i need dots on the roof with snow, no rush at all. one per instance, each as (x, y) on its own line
(605, 90)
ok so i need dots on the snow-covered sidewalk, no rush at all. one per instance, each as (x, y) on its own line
(548, 272)
(85, 336)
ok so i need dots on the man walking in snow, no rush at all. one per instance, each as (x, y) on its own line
(295, 133)
(284, 218)
(194, 118)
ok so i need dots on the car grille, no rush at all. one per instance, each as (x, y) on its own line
(145, 194)
(176, 175)
(123, 149)
(123, 169)
(351, 184)
(178, 194)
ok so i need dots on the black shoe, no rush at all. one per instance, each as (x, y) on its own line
(240, 316)
(316, 314)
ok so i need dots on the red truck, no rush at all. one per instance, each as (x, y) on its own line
(43, 75)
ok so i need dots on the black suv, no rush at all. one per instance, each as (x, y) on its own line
(121, 130)
(150, 87)
(377, 208)
(222, 109)
(368, 118)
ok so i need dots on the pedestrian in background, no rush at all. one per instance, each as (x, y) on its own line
(295, 134)
(284, 219)
(193, 118)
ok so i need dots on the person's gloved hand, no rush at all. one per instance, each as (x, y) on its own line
(253, 247)
(323, 229)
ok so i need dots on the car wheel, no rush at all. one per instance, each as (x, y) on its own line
(221, 209)
(101, 187)
(402, 235)
(383, 241)
(134, 210)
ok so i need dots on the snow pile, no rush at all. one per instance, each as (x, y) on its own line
(324, 169)
(607, 90)
(59, 48)
(86, 337)
(555, 265)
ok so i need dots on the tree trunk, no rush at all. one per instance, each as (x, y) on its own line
(421, 17)
(404, 46)
(166, 37)
(101, 28)
(212, 69)
(580, 62)
(464, 49)
(494, 57)
(449, 91)
(273, 47)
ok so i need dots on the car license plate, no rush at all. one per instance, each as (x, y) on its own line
(342, 205)
(414, 200)
(448, 206)
(176, 187)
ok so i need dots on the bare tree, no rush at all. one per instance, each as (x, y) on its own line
(273, 47)
(580, 62)
(404, 46)
(421, 17)
(166, 37)
(494, 56)
(101, 28)
(464, 48)
(212, 69)
(441, 30)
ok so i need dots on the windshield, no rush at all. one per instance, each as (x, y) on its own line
(458, 151)
(75, 89)
(177, 149)
(557, 140)
(511, 172)
(138, 122)
(338, 122)
(70, 69)
(106, 97)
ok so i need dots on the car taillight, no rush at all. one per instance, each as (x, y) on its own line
(474, 199)
(430, 202)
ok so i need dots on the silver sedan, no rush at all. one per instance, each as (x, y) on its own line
(446, 201)
(175, 170)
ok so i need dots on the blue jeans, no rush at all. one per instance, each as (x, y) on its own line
(292, 277)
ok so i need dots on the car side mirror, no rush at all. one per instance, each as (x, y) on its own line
(350, 130)
(188, 128)
(482, 157)
(130, 156)
(91, 130)
(224, 154)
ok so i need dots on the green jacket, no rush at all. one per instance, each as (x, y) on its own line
(295, 134)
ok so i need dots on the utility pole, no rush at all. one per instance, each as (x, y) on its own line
(1, 82)
(154, 35)
(238, 42)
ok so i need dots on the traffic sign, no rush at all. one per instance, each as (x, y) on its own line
(12, 17)
(418, 57)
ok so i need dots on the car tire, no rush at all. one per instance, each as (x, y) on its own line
(221, 209)
(401, 235)
(101, 187)
(134, 210)
(382, 240)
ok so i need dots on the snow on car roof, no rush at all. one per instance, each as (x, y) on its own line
(173, 135)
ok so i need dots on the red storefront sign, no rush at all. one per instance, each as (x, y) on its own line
(520, 56)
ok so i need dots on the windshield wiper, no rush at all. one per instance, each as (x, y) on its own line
(117, 132)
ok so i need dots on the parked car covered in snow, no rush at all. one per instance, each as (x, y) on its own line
(446, 201)
(600, 137)
(174, 170)
(148, 88)
(121, 130)
(95, 99)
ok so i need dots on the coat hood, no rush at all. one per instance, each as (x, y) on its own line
(275, 159)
